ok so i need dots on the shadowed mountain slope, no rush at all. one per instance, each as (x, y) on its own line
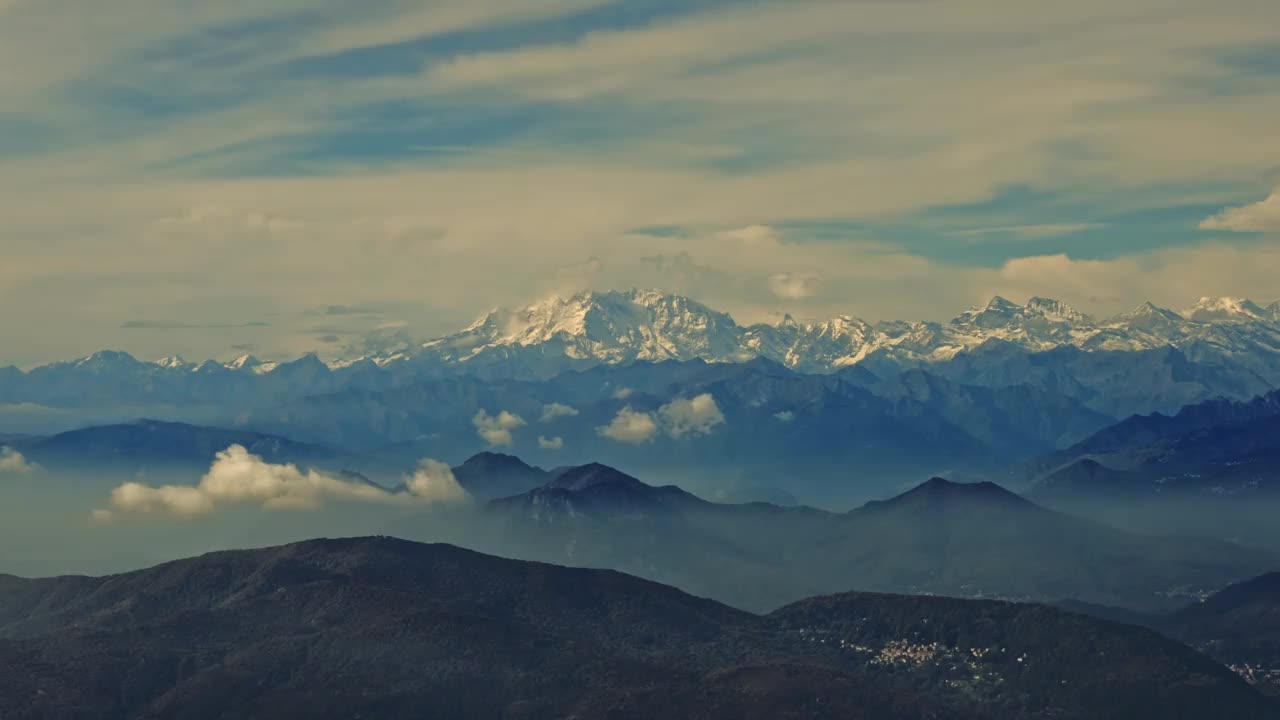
(969, 540)
(378, 627)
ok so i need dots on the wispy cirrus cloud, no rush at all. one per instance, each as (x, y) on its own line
(1027, 231)
(340, 146)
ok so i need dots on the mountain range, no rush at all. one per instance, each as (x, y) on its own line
(616, 327)
(833, 412)
(834, 438)
(1209, 469)
(612, 328)
(941, 537)
(377, 627)
(958, 538)
(147, 446)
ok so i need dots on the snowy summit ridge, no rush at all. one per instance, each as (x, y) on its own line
(614, 327)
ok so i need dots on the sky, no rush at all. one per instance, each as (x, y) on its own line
(283, 176)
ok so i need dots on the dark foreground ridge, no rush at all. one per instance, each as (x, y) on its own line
(379, 627)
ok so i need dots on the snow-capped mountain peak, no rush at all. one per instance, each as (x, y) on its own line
(1040, 324)
(1001, 304)
(1055, 310)
(250, 364)
(173, 362)
(614, 326)
(1147, 317)
(592, 328)
(1224, 309)
(244, 362)
(107, 360)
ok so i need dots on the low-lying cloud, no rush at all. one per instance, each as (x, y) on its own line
(239, 478)
(12, 462)
(630, 426)
(553, 411)
(496, 429)
(433, 481)
(683, 416)
(694, 416)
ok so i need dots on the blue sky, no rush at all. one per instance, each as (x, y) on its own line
(182, 176)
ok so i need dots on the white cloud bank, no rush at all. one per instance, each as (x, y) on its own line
(695, 416)
(12, 462)
(692, 416)
(630, 426)
(496, 429)
(238, 478)
(1262, 216)
(433, 481)
(553, 411)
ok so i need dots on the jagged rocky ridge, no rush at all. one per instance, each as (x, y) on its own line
(616, 327)
(592, 328)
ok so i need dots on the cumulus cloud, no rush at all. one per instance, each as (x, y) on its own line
(496, 429)
(554, 443)
(622, 393)
(693, 416)
(680, 417)
(1262, 216)
(785, 416)
(433, 481)
(239, 478)
(630, 426)
(553, 411)
(12, 462)
(795, 286)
